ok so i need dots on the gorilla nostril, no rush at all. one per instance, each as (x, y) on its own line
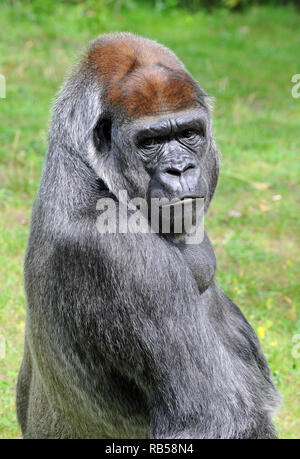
(189, 167)
(175, 172)
(178, 171)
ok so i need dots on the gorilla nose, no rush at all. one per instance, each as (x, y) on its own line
(179, 176)
(179, 169)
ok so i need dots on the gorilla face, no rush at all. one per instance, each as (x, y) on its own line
(170, 148)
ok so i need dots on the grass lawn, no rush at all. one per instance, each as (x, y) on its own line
(246, 60)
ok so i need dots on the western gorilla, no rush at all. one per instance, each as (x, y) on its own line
(128, 335)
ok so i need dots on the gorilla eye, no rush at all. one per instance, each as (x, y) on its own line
(188, 134)
(146, 143)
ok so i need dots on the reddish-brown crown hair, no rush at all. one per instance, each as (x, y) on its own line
(142, 76)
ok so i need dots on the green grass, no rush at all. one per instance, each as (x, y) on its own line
(246, 61)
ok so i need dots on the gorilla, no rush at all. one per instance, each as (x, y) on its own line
(128, 334)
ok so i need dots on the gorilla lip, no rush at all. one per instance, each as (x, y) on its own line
(184, 199)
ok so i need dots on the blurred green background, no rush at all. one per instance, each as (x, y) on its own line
(243, 53)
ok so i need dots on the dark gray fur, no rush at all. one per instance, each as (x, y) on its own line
(127, 335)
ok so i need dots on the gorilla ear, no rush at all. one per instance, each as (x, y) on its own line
(212, 170)
(102, 134)
(211, 163)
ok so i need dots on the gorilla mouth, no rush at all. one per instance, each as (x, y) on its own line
(183, 200)
(181, 215)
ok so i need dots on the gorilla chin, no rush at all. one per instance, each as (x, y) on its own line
(128, 334)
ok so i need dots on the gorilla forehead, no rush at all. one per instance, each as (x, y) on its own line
(143, 78)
